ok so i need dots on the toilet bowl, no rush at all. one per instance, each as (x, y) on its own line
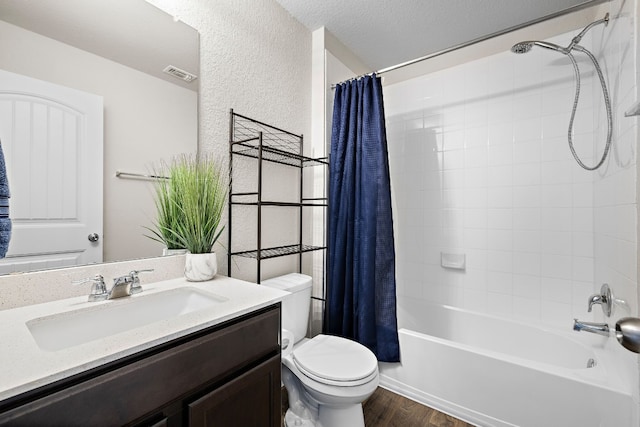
(330, 378)
(327, 377)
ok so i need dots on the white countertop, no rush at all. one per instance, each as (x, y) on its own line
(24, 366)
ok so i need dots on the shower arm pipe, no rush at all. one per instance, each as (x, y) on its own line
(562, 12)
(577, 38)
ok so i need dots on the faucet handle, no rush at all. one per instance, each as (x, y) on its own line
(135, 280)
(605, 299)
(96, 278)
(98, 288)
(595, 299)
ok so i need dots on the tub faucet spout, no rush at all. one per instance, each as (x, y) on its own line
(594, 328)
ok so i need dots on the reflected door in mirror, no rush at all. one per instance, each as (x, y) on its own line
(52, 140)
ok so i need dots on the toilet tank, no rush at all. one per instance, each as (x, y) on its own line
(295, 306)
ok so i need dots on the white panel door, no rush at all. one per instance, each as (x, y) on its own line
(52, 141)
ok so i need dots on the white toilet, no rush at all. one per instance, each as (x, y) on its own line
(327, 377)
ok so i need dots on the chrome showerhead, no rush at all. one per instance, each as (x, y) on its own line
(522, 47)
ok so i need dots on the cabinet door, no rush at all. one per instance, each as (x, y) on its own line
(250, 400)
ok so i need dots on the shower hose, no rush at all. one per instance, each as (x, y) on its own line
(607, 104)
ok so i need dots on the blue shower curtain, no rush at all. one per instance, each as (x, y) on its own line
(361, 287)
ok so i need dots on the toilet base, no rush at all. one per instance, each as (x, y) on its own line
(329, 416)
(349, 415)
(292, 420)
(312, 408)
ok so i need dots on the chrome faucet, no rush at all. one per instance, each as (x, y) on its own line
(594, 328)
(127, 285)
(605, 299)
(123, 286)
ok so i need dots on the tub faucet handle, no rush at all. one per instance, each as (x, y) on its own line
(605, 299)
(594, 299)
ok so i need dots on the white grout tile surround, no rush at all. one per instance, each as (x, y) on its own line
(480, 165)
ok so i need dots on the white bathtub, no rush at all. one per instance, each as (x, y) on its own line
(493, 372)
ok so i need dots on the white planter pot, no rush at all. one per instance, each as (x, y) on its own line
(200, 267)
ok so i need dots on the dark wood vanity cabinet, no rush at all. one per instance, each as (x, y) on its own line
(226, 375)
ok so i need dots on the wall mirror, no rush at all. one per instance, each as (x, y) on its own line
(115, 51)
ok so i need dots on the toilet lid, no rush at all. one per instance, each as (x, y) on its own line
(333, 358)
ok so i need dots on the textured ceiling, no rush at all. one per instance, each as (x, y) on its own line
(383, 33)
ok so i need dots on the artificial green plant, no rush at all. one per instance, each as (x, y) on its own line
(190, 203)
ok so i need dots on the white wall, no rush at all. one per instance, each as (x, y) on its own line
(480, 166)
(256, 59)
(135, 104)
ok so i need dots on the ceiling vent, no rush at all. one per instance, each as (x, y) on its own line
(181, 74)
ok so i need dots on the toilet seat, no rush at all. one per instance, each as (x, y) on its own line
(336, 361)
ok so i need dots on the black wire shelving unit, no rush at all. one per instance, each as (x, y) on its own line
(265, 143)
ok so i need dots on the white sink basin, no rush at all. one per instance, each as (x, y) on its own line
(64, 330)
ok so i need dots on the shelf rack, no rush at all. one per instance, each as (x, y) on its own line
(265, 143)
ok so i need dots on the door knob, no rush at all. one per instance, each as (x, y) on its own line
(93, 237)
(628, 333)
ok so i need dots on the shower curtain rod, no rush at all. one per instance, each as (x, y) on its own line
(562, 12)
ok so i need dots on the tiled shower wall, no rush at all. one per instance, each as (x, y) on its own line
(481, 167)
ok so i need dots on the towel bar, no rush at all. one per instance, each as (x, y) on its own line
(120, 174)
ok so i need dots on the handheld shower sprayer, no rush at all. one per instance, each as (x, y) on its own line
(526, 46)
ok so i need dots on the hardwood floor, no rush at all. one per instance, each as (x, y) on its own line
(387, 409)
